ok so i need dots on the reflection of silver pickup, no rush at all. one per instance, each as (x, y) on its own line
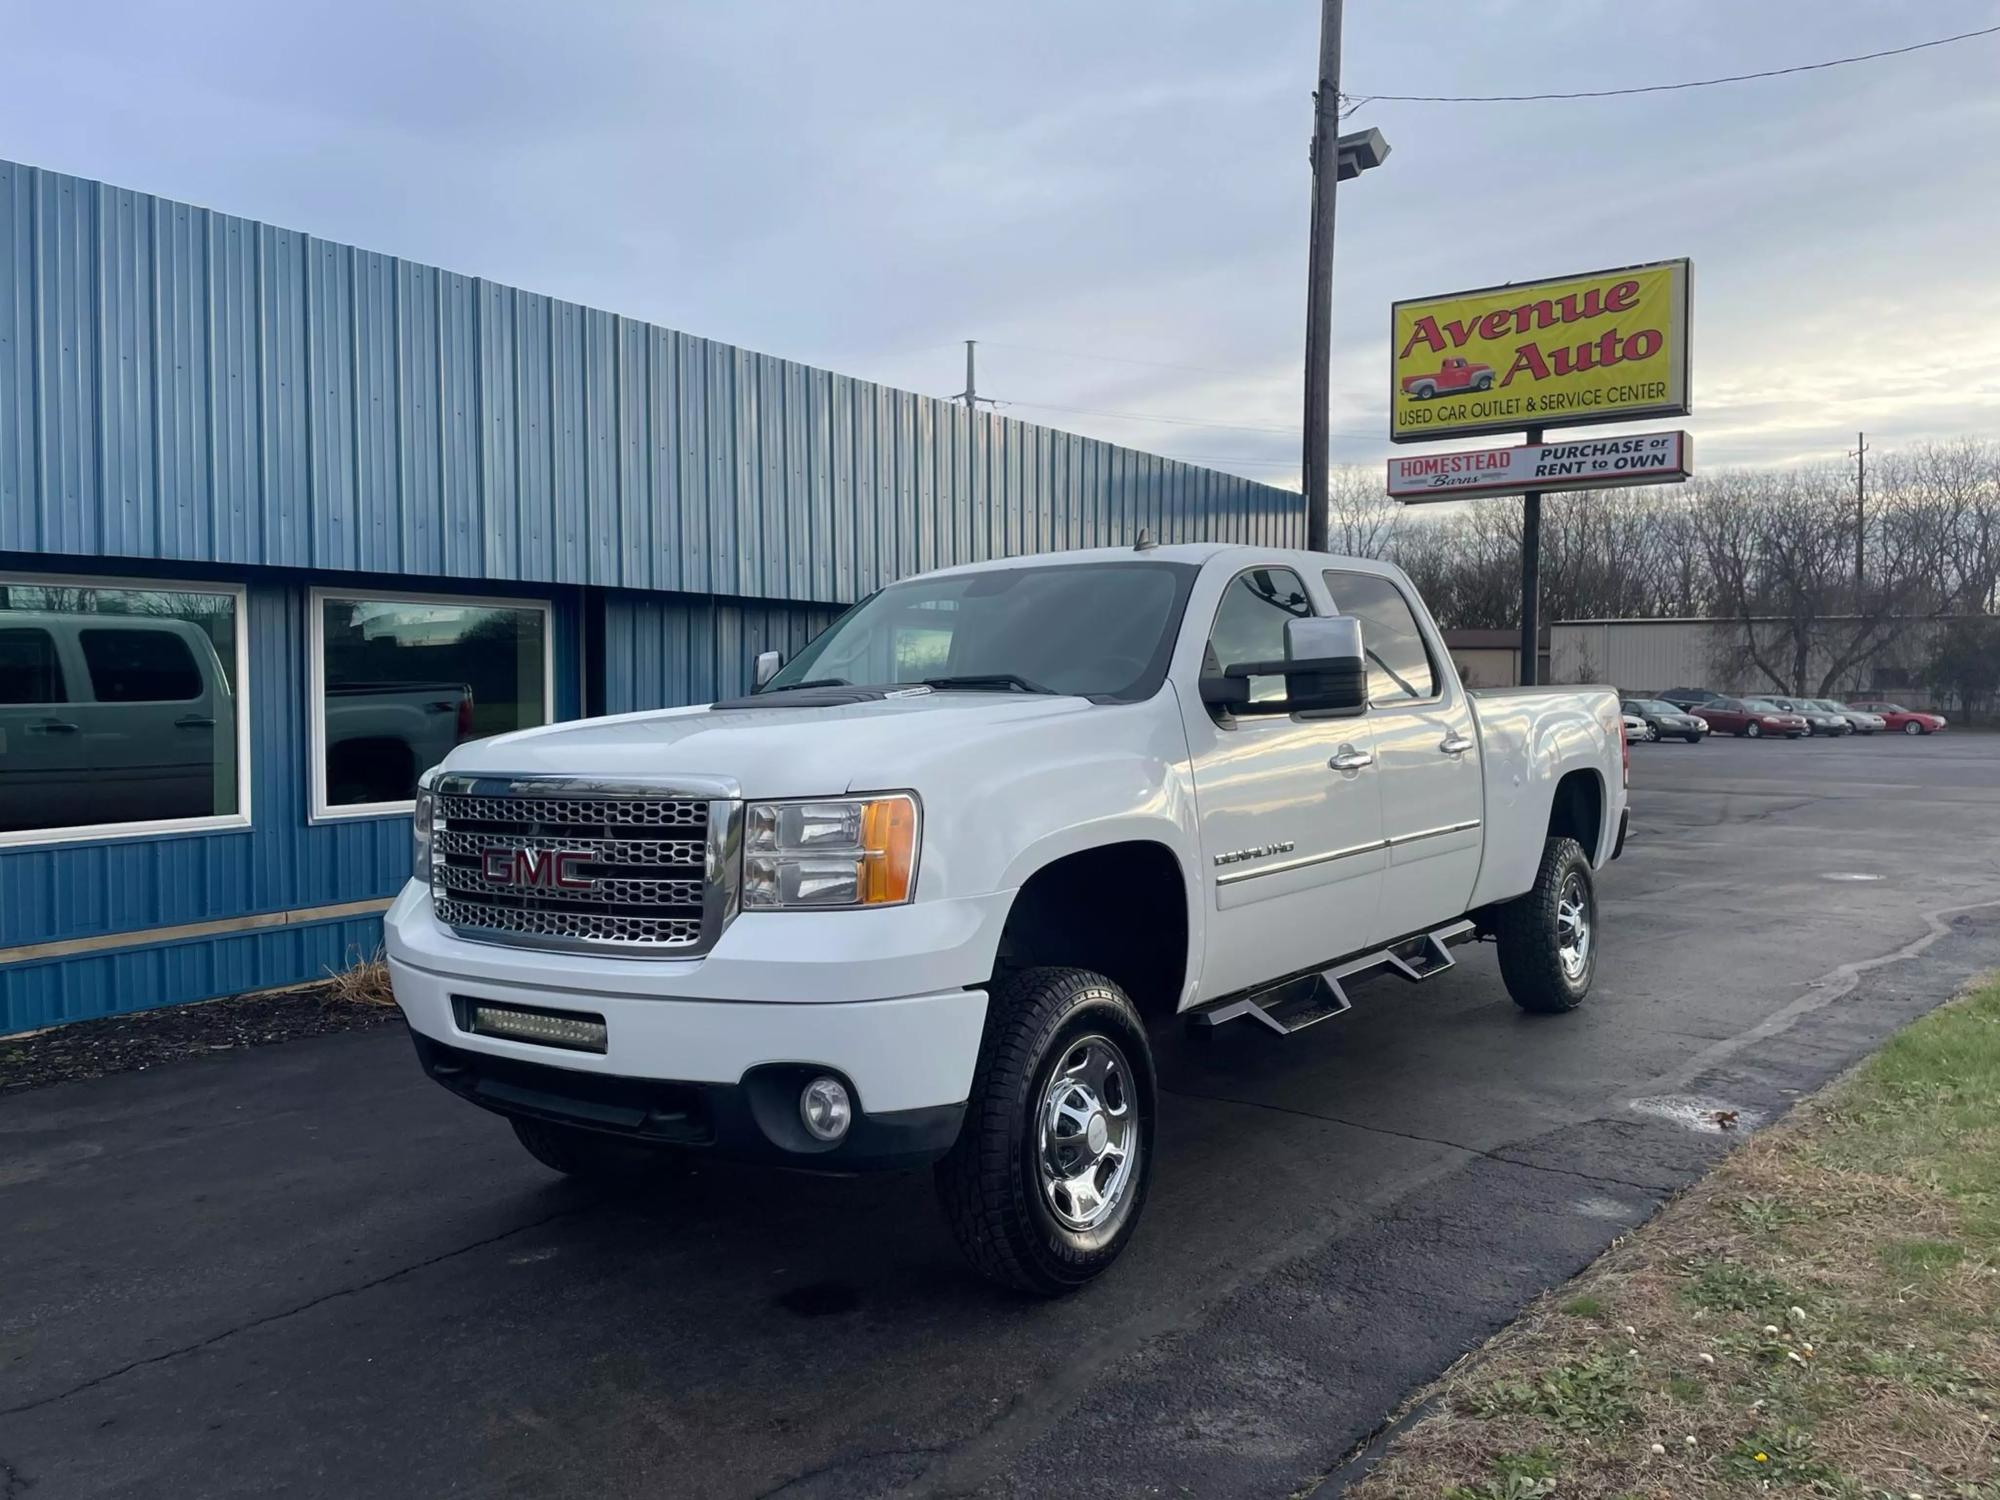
(111, 719)
(380, 736)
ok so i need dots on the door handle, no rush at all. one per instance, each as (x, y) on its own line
(1347, 758)
(1455, 744)
(55, 726)
(193, 721)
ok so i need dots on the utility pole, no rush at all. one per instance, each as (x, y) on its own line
(1531, 579)
(970, 395)
(1319, 274)
(1860, 457)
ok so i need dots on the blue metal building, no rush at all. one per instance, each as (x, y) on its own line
(258, 489)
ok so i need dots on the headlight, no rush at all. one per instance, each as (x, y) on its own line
(859, 851)
(420, 828)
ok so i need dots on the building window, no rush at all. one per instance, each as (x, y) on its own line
(123, 709)
(398, 680)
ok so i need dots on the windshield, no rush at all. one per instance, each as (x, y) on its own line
(1097, 630)
(1655, 706)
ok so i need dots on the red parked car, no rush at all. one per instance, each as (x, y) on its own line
(1908, 720)
(1753, 718)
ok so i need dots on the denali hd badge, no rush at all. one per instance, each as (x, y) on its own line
(538, 869)
(1262, 851)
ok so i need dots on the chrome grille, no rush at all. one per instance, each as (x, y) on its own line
(633, 871)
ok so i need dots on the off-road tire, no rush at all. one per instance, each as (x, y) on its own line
(988, 1184)
(1525, 928)
(585, 1154)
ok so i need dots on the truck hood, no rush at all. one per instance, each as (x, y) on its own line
(777, 751)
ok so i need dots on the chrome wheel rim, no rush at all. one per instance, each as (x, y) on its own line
(1573, 927)
(1087, 1142)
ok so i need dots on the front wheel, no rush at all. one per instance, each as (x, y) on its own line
(1755, 731)
(1044, 1186)
(1548, 937)
(1692, 739)
(1913, 727)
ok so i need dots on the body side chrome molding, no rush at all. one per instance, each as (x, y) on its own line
(1304, 861)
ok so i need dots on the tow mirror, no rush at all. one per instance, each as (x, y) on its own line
(767, 665)
(1325, 669)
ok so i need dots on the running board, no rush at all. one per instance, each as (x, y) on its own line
(1294, 1004)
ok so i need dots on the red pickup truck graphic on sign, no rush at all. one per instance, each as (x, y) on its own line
(1453, 375)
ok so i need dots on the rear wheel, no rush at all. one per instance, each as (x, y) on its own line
(1548, 937)
(1652, 733)
(1044, 1186)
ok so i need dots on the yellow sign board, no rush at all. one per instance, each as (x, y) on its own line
(1610, 346)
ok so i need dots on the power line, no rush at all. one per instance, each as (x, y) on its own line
(1119, 359)
(1136, 416)
(1692, 83)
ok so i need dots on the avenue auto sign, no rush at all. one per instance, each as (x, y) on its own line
(1610, 346)
(1584, 464)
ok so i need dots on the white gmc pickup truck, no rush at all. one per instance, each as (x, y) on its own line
(917, 898)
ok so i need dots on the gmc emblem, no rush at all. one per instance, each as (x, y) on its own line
(543, 869)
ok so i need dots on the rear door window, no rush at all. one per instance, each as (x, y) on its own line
(30, 671)
(140, 666)
(1400, 669)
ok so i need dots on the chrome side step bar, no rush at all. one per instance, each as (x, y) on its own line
(1294, 1004)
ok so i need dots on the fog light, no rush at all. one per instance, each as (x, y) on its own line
(825, 1108)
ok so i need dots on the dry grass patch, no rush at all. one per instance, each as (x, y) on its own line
(1820, 1316)
(365, 981)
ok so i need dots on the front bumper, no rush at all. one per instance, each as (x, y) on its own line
(756, 1119)
(774, 1004)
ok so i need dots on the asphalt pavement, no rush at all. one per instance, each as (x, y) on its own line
(305, 1269)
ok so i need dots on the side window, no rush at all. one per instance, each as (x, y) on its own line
(29, 671)
(1250, 623)
(140, 666)
(1399, 663)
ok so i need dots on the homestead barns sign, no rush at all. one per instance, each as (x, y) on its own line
(1581, 464)
(1610, 346)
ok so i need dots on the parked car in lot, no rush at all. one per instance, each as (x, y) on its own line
(1826, 721)
(1861, 720)
(892, 909)
(1687, 697)
(1660, 720)
(1752, 718)
(1636, 728)
(1903, 720)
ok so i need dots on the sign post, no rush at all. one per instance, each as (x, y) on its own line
(1605, 346)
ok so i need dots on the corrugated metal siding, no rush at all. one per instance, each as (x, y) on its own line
(281, 863)
(178, 383)
(663, 650)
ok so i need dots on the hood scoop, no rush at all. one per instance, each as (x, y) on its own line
(821, 697)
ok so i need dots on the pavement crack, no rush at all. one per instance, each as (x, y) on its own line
(276, 1317)
(1428, 1140)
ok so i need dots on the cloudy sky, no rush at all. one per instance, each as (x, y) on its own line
(1110, 194)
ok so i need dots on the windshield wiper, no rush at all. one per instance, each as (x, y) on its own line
(1005, 682)
(810, 682)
